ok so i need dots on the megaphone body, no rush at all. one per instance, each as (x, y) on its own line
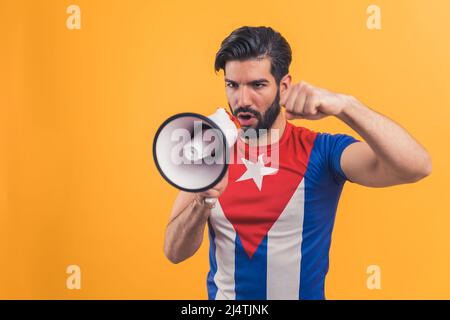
(192, 151)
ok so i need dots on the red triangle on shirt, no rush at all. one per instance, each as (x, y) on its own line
(251, 211)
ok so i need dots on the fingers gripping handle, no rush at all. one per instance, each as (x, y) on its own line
(211, 201)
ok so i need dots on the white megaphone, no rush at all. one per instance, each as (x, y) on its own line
(191, 151)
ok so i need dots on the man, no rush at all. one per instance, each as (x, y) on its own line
(270, 230)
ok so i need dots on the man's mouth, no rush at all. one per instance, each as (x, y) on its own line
(246, 119)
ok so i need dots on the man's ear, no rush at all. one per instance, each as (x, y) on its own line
(285, 83)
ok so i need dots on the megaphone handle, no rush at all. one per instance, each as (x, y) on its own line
(211, 201)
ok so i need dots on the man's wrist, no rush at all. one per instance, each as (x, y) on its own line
(350, 105)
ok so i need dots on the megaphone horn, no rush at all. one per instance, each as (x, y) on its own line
(191, 151)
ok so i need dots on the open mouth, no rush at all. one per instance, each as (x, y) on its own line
(246, 115)
(246, 118)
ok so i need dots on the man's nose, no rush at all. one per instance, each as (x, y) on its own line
(244, 97)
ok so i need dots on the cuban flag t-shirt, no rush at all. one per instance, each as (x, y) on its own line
(270, 231)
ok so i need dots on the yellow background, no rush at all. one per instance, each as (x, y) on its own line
(79, 109)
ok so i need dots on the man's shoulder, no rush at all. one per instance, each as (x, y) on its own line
(301, 134)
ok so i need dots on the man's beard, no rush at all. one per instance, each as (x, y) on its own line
(265, 121)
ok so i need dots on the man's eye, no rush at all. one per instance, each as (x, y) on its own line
(258, 85)
(230, 85)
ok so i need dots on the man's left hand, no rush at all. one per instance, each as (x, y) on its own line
(304, 101)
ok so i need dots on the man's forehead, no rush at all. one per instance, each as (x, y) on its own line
(248, 70)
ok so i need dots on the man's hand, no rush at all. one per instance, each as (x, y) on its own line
(305, 101)
(214, 192)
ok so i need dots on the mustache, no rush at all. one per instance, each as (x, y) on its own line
(248, 110)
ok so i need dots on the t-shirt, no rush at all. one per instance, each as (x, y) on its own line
(270, 231)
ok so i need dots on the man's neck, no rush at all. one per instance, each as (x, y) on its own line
(273, 135)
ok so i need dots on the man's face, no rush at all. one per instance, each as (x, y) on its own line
(252, 93)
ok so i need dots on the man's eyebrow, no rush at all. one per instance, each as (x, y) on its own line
(231, 81)
(262, 80)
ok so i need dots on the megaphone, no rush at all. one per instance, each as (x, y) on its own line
(191, 151)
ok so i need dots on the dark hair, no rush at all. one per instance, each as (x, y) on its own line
(256, 42)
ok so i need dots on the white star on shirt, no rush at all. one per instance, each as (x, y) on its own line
(256, 171)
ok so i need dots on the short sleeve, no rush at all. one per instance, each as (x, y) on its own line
(333, 147)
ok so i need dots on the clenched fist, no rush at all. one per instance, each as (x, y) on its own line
(305, 101)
